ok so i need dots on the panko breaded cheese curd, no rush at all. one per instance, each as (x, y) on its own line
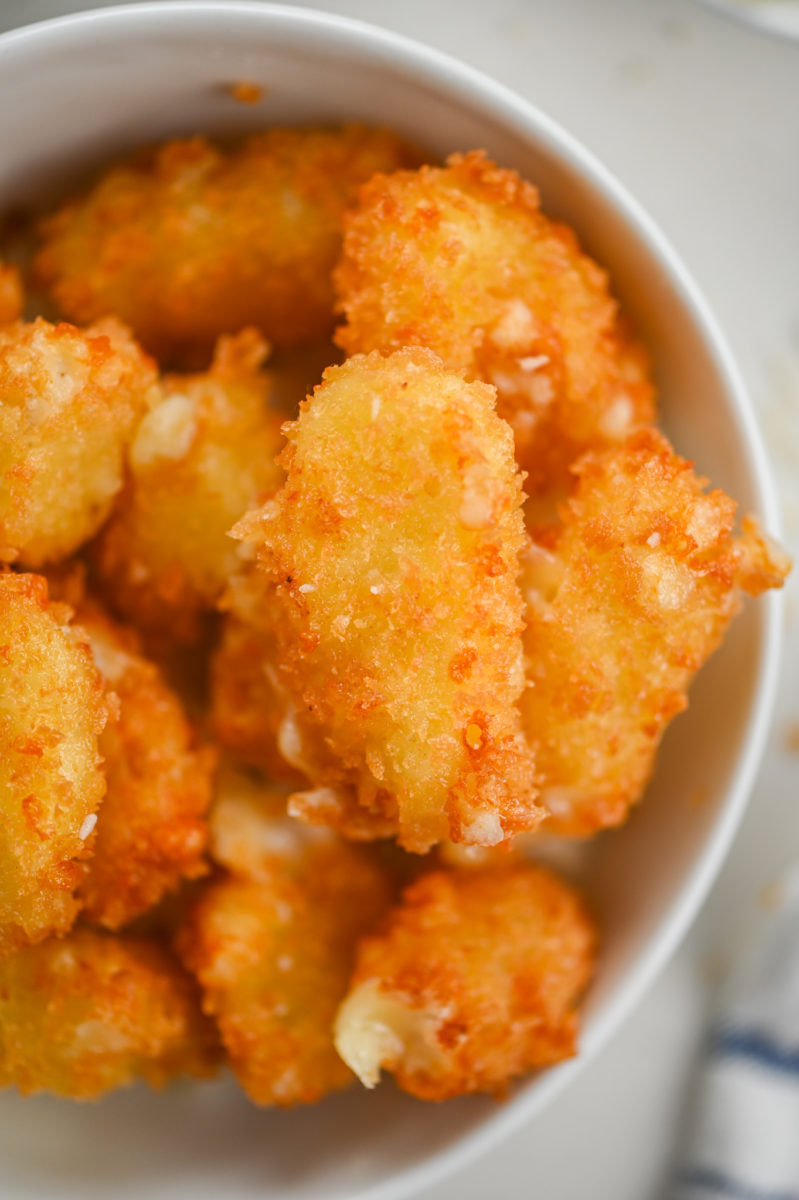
(248, 700)
(199, 459)
(461, 259)
(636, 591)
(90, 1012)
(255, 718)
(253, 714)
(246, 705)
(69, 400)
(52, 712)
(391, 555)
(151, 831)
(474, 978)
(252, 832)
(191, 240)
(273, 943)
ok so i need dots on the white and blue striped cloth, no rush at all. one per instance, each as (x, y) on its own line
(744, 1137)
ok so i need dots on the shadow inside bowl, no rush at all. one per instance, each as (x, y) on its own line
(175, 1143)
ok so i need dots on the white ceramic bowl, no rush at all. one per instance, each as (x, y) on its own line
(77, 90)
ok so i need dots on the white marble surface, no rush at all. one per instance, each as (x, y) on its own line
(699, 117)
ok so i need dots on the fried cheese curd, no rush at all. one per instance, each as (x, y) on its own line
(472, 979)
(636, 591)
(151, 831)
(393, 596)
(461, 259)
(90, 1012)
(199, 459)
(272, 943)
(249, 703)
(52, 712)
(256, 719)
(191, 240)
(69, 401)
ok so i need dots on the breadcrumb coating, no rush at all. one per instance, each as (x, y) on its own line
(151, 830)
(192, 240)
(69, 400)
(273, 944)
(199, 459)
(256, 719)
(393, 596)
(461, 259)
(245, 709)
(249, 702)
(52, 711)
(636, 592)
(90, 1012)
(471, 980)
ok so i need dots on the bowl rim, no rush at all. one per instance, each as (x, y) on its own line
(461, 81)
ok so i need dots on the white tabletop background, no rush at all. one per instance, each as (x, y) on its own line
(699, 116)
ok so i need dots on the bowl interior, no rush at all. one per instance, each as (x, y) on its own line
(76, 91)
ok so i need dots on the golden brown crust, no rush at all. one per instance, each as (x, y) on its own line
(69, 400)
(202, 456)
(461, 260)
(151, 831)
(52, 711)
(253, 713)
(273, 944)
(471, 980)
(392, 593)
(191, 241)
(762, 562)
(633, 594)
(248, 706)
(90, 1012)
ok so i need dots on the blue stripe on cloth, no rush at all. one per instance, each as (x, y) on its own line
(755, 1046)
(716, 1183)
